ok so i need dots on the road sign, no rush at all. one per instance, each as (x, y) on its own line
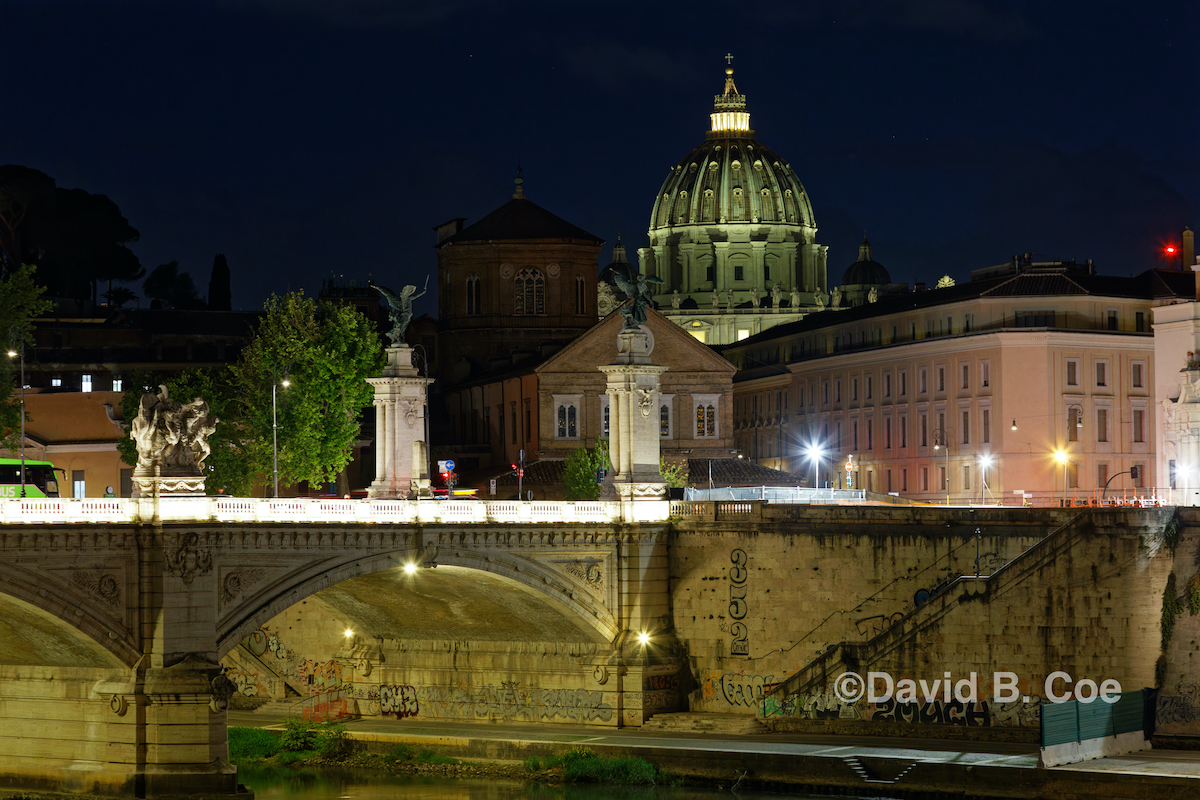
(493, 487)
(449, 465)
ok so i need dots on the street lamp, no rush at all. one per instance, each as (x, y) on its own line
(941, 438)
(815, 453)
(275, 425)
(16, 337)
(985, 461)
(1062, 458)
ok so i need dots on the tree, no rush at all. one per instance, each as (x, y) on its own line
(170, 286)
(20, 302)
(219, 296)
(579, 472)
(326, 351)
(76, 238)
(119, 295)
(674, 473)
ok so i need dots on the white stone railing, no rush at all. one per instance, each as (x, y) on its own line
(303, 509)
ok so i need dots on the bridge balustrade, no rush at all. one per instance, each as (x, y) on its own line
(302, 509)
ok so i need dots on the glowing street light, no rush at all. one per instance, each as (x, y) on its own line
(985, 461)
(349, 633)
(643, 638)
(275, 426)
(410, 569)
(16, 336)
(815, 453)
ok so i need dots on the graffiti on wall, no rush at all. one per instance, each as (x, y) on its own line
(735, 688)
(319, 676)
(873, 626)
(955, 712)
(398, 700)
(738, 574)
(824, 704)
(510, 701)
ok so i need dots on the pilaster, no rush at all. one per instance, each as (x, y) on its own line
(400, 410)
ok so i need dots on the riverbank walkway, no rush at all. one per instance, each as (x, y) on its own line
(888, 767)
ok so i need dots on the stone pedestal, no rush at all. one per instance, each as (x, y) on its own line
(401, 470)
(633, 390)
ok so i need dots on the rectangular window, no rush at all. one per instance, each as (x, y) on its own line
(1074, 423)
(924, 479)
(1139, 422)
(887, 434)
(1140, 320)
(985, 370)
(1101, 475)
(904, 431)
(739, 273)
(1102, 373)
(868, 379)
(1112, 319)
(854, 388)
(922, 386)
(887, 385)
(904, 479)
(117, 383)
(825, 388)
(1072, 476)
(1101, 424)
(966, 478)
(966, 377)
(854, 434)
(1138, 378)
(126, 482)
(870, 434)
(966, 427)
(985, 433)
(1139, 475)
(77, 484)
(941, 379)
(903, 384)
(943, 480)
(1072, 372)
(85, 382)
(923, 434)
(837, 391)
(56, 381)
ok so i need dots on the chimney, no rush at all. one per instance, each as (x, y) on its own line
(448, 229)
(1189, 249)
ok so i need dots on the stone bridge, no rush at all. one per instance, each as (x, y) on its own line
(116, 613)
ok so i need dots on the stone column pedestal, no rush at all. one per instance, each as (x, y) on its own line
(401, 469)
(633, 390)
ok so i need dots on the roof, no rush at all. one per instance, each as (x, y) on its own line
(519, 219)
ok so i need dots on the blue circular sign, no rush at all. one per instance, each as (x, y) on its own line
(449, 466)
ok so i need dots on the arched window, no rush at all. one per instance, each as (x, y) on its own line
(739, 205)
(529, 292)
(473, 296)
(580, 307)
(605, 433)
(571, 429)
(681, 207)
(562, 422)
(706, 415)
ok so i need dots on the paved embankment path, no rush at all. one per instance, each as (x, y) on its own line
(891, 767)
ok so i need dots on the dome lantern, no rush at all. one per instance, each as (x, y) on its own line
(730, 117)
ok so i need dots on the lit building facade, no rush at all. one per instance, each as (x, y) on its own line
(920, 392)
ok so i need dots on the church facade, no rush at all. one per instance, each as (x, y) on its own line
(732, 234)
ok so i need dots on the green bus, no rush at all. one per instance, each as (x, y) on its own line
(40, 480)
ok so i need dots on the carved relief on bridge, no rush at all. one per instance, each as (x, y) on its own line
(189, 559)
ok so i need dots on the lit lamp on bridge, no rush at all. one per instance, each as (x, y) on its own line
(275, 425)
(815, 453)
(985, 461)
(16, 336)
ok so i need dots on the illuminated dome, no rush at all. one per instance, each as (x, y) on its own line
(733, 224)
(731, 177)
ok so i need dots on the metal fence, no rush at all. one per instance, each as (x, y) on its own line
(793, 495)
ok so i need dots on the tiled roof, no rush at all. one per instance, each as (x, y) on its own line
(520, 219)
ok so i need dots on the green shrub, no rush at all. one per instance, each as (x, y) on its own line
(252, 744)
(400, 752)
(600, 769)
(332, 740)
(298, 735)
(288, 757)
(427, 756)
(532, 764)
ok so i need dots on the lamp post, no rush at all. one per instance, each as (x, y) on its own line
(1062, 458)
(425, 411)
(275, 425)
(941, 438)
(985, 461)
(16, 337)
(815, 453)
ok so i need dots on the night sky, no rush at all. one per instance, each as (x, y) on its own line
(308, 139)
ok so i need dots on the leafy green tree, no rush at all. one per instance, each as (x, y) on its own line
(579, 471)
(674, 473)
(326, 351)
(20, 302)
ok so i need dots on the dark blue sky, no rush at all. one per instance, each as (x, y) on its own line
(304, 138)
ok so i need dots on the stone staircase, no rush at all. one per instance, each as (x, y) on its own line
(860, 656)
(699, 722)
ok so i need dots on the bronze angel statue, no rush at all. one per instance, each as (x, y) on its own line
(399, 307)
(637, 287)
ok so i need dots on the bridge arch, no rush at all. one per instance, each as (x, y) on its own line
(61, 617)
(559, 589)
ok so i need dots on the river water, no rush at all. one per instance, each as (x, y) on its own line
(309, 784)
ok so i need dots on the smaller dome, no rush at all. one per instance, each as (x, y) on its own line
(606, 274)
(865, 271)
